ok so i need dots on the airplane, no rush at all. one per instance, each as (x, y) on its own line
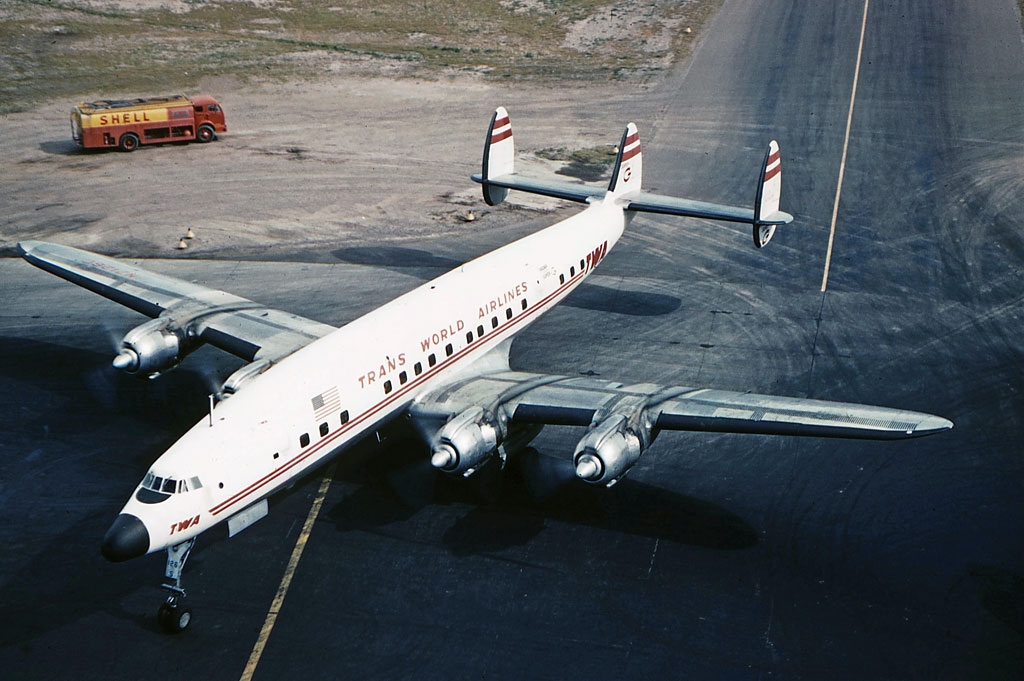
(437, 356)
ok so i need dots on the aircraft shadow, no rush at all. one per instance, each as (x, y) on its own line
(509, 508)
(589, 296)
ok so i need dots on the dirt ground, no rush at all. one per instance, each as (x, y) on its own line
(347, 159)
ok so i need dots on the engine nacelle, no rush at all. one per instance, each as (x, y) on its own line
(150, 349)
(466, 441)
(607, 451)
(235, 381)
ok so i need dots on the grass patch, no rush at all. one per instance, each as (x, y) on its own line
(66, 48)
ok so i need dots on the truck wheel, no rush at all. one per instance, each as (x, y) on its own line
(205, 133)
(129, 142)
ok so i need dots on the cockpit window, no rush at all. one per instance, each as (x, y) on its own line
(156, 483)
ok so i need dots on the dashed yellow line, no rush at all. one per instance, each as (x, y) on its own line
(846, 147)
(286, 580)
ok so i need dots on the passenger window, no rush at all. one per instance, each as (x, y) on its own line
(418, 368)
(494, 322)
(304, 440)
(524, 303)
(572, 271)
(324, 429)
(561, 278)
(469, 336)
(448, 350)
(480, 331)
(387, 387)
(403, 377)
(508, 313)
(344, 417)
(582, 266)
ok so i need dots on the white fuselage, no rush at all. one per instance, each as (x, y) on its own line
(297, 414)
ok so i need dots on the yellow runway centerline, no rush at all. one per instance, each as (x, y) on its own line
(846, 147)
(286, 580)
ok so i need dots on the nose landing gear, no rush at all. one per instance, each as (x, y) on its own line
(174, 615)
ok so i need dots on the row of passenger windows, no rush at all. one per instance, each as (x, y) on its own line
(417, 368)
(449, 349)
(324, 430)
(572, 271)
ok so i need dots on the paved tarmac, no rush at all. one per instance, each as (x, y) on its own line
(720, 556)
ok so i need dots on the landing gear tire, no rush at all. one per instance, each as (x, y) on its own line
(174, 615)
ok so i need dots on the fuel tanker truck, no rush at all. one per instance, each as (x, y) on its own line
(126, 123)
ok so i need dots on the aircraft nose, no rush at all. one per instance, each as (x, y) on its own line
(126, 538)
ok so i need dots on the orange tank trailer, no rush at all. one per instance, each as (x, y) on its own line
(127, 123)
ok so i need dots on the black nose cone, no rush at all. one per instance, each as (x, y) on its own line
(126, 538)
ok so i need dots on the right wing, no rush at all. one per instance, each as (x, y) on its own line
(623, 420)
(193, 312)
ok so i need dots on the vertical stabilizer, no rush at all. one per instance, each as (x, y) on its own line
(628, 171)
(769, 190)
(499, 156)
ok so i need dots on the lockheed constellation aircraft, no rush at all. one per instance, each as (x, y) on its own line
(437, 355)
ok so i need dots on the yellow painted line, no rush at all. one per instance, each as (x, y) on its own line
(286, 580)
(846, 147)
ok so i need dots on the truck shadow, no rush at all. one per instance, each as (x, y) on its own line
(63, 148)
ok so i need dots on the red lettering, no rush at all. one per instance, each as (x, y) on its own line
(184, 524)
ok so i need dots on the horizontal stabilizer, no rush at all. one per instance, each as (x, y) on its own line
(764, 216)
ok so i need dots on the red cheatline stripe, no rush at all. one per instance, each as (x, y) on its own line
(497, 136)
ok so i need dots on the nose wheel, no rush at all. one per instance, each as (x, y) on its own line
(174, 614)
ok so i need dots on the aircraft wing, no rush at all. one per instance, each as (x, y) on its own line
(229, 322)
(587, 401)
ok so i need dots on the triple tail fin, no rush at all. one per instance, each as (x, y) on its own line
(498, 176)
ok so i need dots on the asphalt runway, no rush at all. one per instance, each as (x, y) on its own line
(720, 556)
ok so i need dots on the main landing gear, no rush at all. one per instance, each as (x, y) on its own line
(174, 615)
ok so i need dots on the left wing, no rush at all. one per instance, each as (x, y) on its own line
(185, 314)
(625, 419)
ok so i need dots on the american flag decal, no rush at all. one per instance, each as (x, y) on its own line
(326, 403)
